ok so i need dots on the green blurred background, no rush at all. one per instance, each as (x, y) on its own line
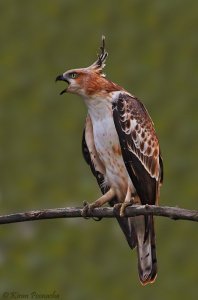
(152, 49)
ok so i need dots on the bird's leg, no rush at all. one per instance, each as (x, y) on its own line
(88, 208)
(129, 200)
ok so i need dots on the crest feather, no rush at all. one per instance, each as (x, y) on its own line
(99, 64)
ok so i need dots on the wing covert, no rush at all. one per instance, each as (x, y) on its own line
(139, 144)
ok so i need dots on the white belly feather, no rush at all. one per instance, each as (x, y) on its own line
(108, 148)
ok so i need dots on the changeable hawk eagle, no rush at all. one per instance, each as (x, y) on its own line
(122, 149)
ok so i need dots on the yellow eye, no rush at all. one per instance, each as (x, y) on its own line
(73, 75)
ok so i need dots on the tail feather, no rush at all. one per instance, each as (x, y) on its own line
(127, 226)
(146, 250)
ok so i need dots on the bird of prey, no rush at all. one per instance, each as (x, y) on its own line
(121, 147)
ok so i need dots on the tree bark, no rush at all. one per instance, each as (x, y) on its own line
(174, 213)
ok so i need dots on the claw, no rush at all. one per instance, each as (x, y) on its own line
(88, 209)
(97, 219)
(123, 207)
(117, 207)
(85, 210)
(120, 208)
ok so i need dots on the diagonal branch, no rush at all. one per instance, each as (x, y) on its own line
(174, 213)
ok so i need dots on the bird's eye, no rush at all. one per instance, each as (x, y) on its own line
(73, 75)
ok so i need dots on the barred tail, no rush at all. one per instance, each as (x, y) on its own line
(146, 250)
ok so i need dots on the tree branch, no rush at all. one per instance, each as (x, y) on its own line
(174, 213)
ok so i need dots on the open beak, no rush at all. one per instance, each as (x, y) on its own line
(62, 78)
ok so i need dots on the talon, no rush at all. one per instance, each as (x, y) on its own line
(123, 207)
(88, 209)
(85, 210)
(122, 210)
(85, 203)
(117, 207)
(91, 208)
(97, 219)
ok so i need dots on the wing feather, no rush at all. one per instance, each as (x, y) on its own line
(140, 146)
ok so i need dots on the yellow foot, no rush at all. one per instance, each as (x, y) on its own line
(124, 205)
(88, 210)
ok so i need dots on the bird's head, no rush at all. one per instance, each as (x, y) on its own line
(89, 81)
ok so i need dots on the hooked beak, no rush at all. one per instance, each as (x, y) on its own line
(62, 78)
